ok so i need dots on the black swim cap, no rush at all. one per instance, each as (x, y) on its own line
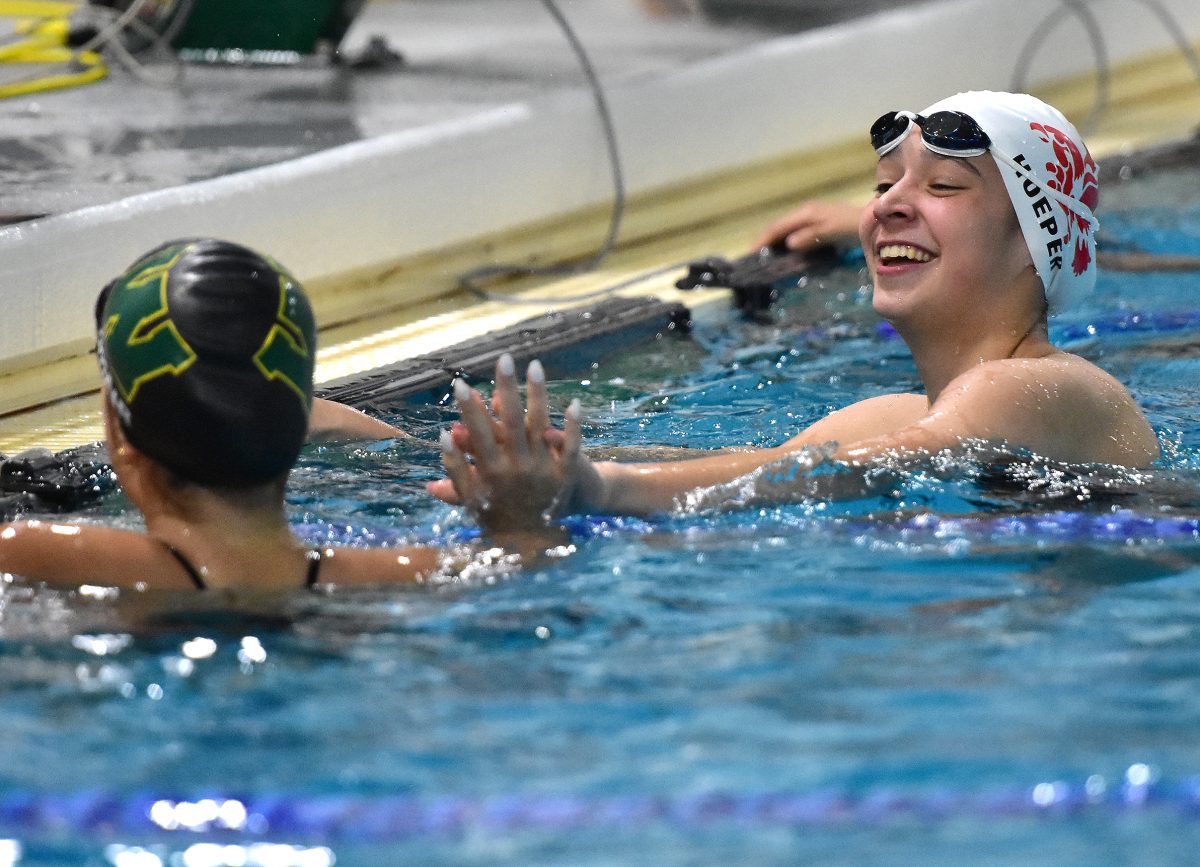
(207, 349)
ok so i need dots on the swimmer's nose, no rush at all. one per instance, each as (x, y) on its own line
(893, 203)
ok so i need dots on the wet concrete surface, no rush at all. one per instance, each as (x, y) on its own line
(68, 149)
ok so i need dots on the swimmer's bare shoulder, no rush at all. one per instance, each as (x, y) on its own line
(866, 419)
(1060, 406)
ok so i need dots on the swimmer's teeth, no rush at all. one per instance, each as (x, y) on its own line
(903, 251)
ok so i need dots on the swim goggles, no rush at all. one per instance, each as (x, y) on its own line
(949, 133)
(955, 134)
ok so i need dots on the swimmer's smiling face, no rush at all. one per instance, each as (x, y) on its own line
(942, 241)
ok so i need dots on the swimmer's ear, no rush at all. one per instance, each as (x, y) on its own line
(119, 447)
(147, 483)
(113, 435)
(122, 454)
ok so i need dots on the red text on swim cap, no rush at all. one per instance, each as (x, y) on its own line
(1073, 174)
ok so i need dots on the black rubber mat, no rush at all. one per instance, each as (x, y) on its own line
(759, 279)
(566, 342)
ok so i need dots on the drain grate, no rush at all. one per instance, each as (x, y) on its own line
(566, 342)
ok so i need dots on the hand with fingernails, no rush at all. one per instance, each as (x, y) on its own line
(522, 471)
(811, 224)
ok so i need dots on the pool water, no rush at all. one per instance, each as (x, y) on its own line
(991, 662)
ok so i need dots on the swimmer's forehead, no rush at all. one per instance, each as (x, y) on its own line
(977, 164)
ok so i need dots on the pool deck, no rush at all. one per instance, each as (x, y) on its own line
(120, 144)
(70, 149)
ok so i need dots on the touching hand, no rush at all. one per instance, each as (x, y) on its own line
(522, 469)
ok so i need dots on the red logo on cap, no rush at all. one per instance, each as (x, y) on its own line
(1073, 175)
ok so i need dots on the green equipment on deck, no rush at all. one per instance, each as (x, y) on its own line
(224, 30)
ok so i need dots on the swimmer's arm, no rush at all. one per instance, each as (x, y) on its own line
(542, 472)
(71, 555)
(331, 422)
(863, 468)
(1045, 409)
(609, 488)
(428, 564)
(764, 475)
(650, 488)
(1006, 403)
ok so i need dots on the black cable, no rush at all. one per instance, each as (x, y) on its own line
(1172, 27)
(1099, 49)
(469, 280)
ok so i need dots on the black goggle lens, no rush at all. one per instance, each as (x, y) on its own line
(887, 129)
(945, 130)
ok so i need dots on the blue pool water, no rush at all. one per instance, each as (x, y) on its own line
(966, 670)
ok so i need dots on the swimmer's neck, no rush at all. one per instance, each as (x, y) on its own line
(939, 361)
(203, 517)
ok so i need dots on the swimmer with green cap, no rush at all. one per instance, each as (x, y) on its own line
(207, 350)
(983, 214)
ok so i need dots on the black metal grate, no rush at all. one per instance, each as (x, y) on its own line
(566, 341)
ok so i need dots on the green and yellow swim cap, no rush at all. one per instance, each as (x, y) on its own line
(207, 349)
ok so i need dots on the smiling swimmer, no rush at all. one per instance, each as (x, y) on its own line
(983, 212)
(1032, 187)
(1048, 173)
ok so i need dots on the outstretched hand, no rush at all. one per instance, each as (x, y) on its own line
(522, 469)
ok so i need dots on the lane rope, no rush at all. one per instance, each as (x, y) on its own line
(384, 818)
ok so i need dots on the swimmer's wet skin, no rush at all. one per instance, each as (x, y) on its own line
(983, 217)
(207, 350)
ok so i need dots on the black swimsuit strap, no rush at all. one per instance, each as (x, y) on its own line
(187, 567)
(315, 557)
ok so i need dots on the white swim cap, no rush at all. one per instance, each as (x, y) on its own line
(1052, 182)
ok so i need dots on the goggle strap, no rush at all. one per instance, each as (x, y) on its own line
(1066, 201)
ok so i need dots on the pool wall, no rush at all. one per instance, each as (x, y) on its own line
(389, 221)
